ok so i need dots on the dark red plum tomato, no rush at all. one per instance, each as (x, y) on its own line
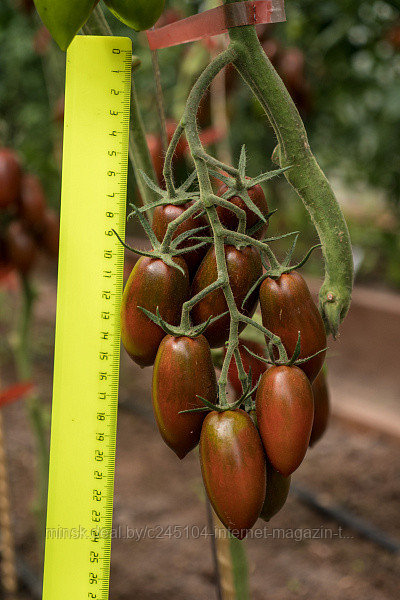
(233, 467)
(32, 203)
(183, 370)
(285, 413)
(287, 308)
(10, 177)
(244, 269)
(21, 247)
(321, 407)
(276, 493)
(151, 284)
(164, 215)
(230, 220)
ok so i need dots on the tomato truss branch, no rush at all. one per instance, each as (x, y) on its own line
(209, 202)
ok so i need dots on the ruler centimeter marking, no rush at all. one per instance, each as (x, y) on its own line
(90, 280)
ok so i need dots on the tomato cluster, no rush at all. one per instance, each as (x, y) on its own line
(27, 225)
(248, 449)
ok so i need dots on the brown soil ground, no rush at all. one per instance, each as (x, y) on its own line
(358, 470)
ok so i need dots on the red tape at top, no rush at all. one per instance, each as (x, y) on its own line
(215, 21)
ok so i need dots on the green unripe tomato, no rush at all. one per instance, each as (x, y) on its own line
(137, 14)
(64, 19)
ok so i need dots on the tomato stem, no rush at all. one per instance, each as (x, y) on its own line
(305, 176)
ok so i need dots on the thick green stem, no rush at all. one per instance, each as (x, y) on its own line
(305, 176)
(138, 149)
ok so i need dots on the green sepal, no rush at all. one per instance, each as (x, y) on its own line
(185, 235)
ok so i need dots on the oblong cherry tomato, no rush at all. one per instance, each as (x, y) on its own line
(244, 268)
(258, 367)
(164, 215)
(287, 308)
(230, 220)
(233, 468)
(10, 177)
(321, 407)
(21, 247)
(276, 493)
(151, 284)
(285, 413)
(32, 202)
(183, 370)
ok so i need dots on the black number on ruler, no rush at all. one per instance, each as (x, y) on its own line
(103, 355)
(103, 376)
(90, 595)
(98, 456)
(116, 51)
(105, 315)
(104, 335)
(107, 274)
(101, 416)
(94, 556)
(95, 518)
(109, 232)
(109, 214)
(106, 294)
(95, 535)
(114, 113)
(98, 474)
(100, 437)
(97, 495)
(108, 254)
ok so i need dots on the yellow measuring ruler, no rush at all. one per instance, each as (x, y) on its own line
(86, 363)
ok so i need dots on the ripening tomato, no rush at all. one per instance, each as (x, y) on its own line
(32, 203)
(21, 247)
(163, 215)
(183, 370)
(10, 177)
(276, 493)
(244, 268)
(321, 407)
(50, 233)
(258, 367)
(233, 467)
(287, 308)
(151, 284)
(285, 413)
(230, 220)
